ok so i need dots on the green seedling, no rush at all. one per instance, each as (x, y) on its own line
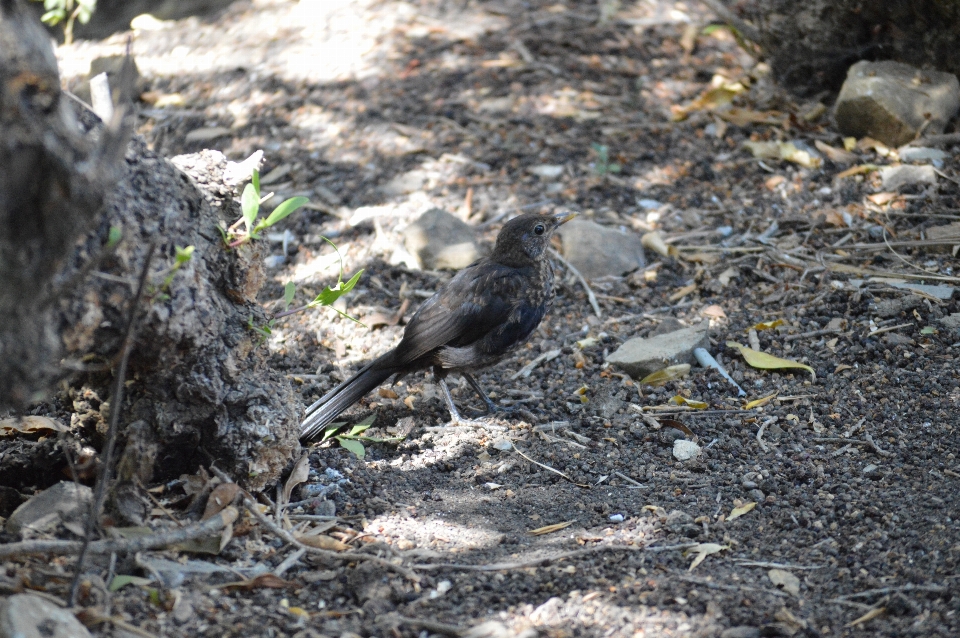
(352, 440)
(603, 165)
(181, 256)
(250, 201)
(67, 11)
(327, 296)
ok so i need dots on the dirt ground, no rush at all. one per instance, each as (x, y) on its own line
(377, 111)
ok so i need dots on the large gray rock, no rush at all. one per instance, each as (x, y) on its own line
(892, 102)
(596, 250)
(63, 503)
(440, 240)
(642, 356)
(28, 616)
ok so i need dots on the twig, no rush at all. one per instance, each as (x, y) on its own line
(547, 467)
(116, 404)
(869, 443)
(745, 562)
(155, 541)
(544, 560)
(812, 333)
(629, 480)
(889, 329)
(937, 589)
(525, 371)
(251, 506)
(583, 282)
(289, 562)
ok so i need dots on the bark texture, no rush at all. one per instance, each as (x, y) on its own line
(810, 45)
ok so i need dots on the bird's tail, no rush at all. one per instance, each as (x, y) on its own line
(329, 407)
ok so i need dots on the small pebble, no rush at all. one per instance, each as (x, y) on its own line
(684, 450)
(617, 518)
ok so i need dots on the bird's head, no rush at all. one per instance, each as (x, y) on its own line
(526, 237)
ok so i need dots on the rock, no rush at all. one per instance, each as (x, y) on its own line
(945, 232)
(951, 322)
(741, 632)
(27, 616)
(892, 307)
(894, 177)
(65, 502)
(596, 250)
(940, 291)
(639, 357)
(440, 240)
(921, 154)
(892, 102)
(684, 450)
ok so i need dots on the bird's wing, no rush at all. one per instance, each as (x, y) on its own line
(476, 301)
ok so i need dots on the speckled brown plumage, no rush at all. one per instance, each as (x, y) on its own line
(483, 313)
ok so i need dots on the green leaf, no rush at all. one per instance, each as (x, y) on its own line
(183, 255)
(353, 446)
(330, 295)
(122, 580)
(357, 429)
(288, 292)
(250, 205)
(114, 236)
(331, 429)
(54, 17)
(285, 209)
(255, 180)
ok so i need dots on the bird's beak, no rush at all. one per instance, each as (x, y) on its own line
(563, 218)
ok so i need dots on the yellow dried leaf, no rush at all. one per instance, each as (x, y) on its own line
(681, 293)
(765, 361)
(664, 375)
(653, 241)
(756, 403)
(858, 170)
(791, 153)
(696, 405)
(549, 529)
(767, 325)
(763, 150)
(849, 143)
(737, 512)
(322, 541)
(702, 551)
(387, 393)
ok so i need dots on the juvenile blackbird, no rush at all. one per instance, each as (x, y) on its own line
(484, 312)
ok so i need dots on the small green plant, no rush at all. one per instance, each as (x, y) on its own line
(352, 440)
(181, 256)
(603, 165)
(67, 11)
(248, 228)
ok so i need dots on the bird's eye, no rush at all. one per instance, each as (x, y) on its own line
(539, 229)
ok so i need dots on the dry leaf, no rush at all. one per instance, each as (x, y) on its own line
(766, 325)
(702, 551)
(221, 497)
(299, 474)
(763, 150)
(31, 425)
(737, 512)
(835, 155)
(745, 117)
(654, 242)
(696, 405)
(664, 375)
(870, 615)
(263, 581)
(772, 182)
(756, 403)
(765, 361)
(882, 198)
(677, 425)
(784, 580)
(681, 293)
(387, 393)
(549, 529)
(858, 170)
(322, 541)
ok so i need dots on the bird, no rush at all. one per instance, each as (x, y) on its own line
(482, 314)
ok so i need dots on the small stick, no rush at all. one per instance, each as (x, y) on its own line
(289, 562)
(937, 589)
(547, 467)
(629, 480)
(869, 442)
(525, 371)
(251, 506)
(131, 545)
(583, 282)
(116, 404)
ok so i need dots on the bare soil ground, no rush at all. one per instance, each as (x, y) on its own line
(380, 110)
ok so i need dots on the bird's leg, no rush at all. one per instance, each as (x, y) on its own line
(491, 406)
(455, 417)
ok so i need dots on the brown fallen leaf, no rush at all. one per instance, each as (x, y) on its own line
(263, 581)
(31, 425)
(322, 541)
(549, 529)
(220, 498)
